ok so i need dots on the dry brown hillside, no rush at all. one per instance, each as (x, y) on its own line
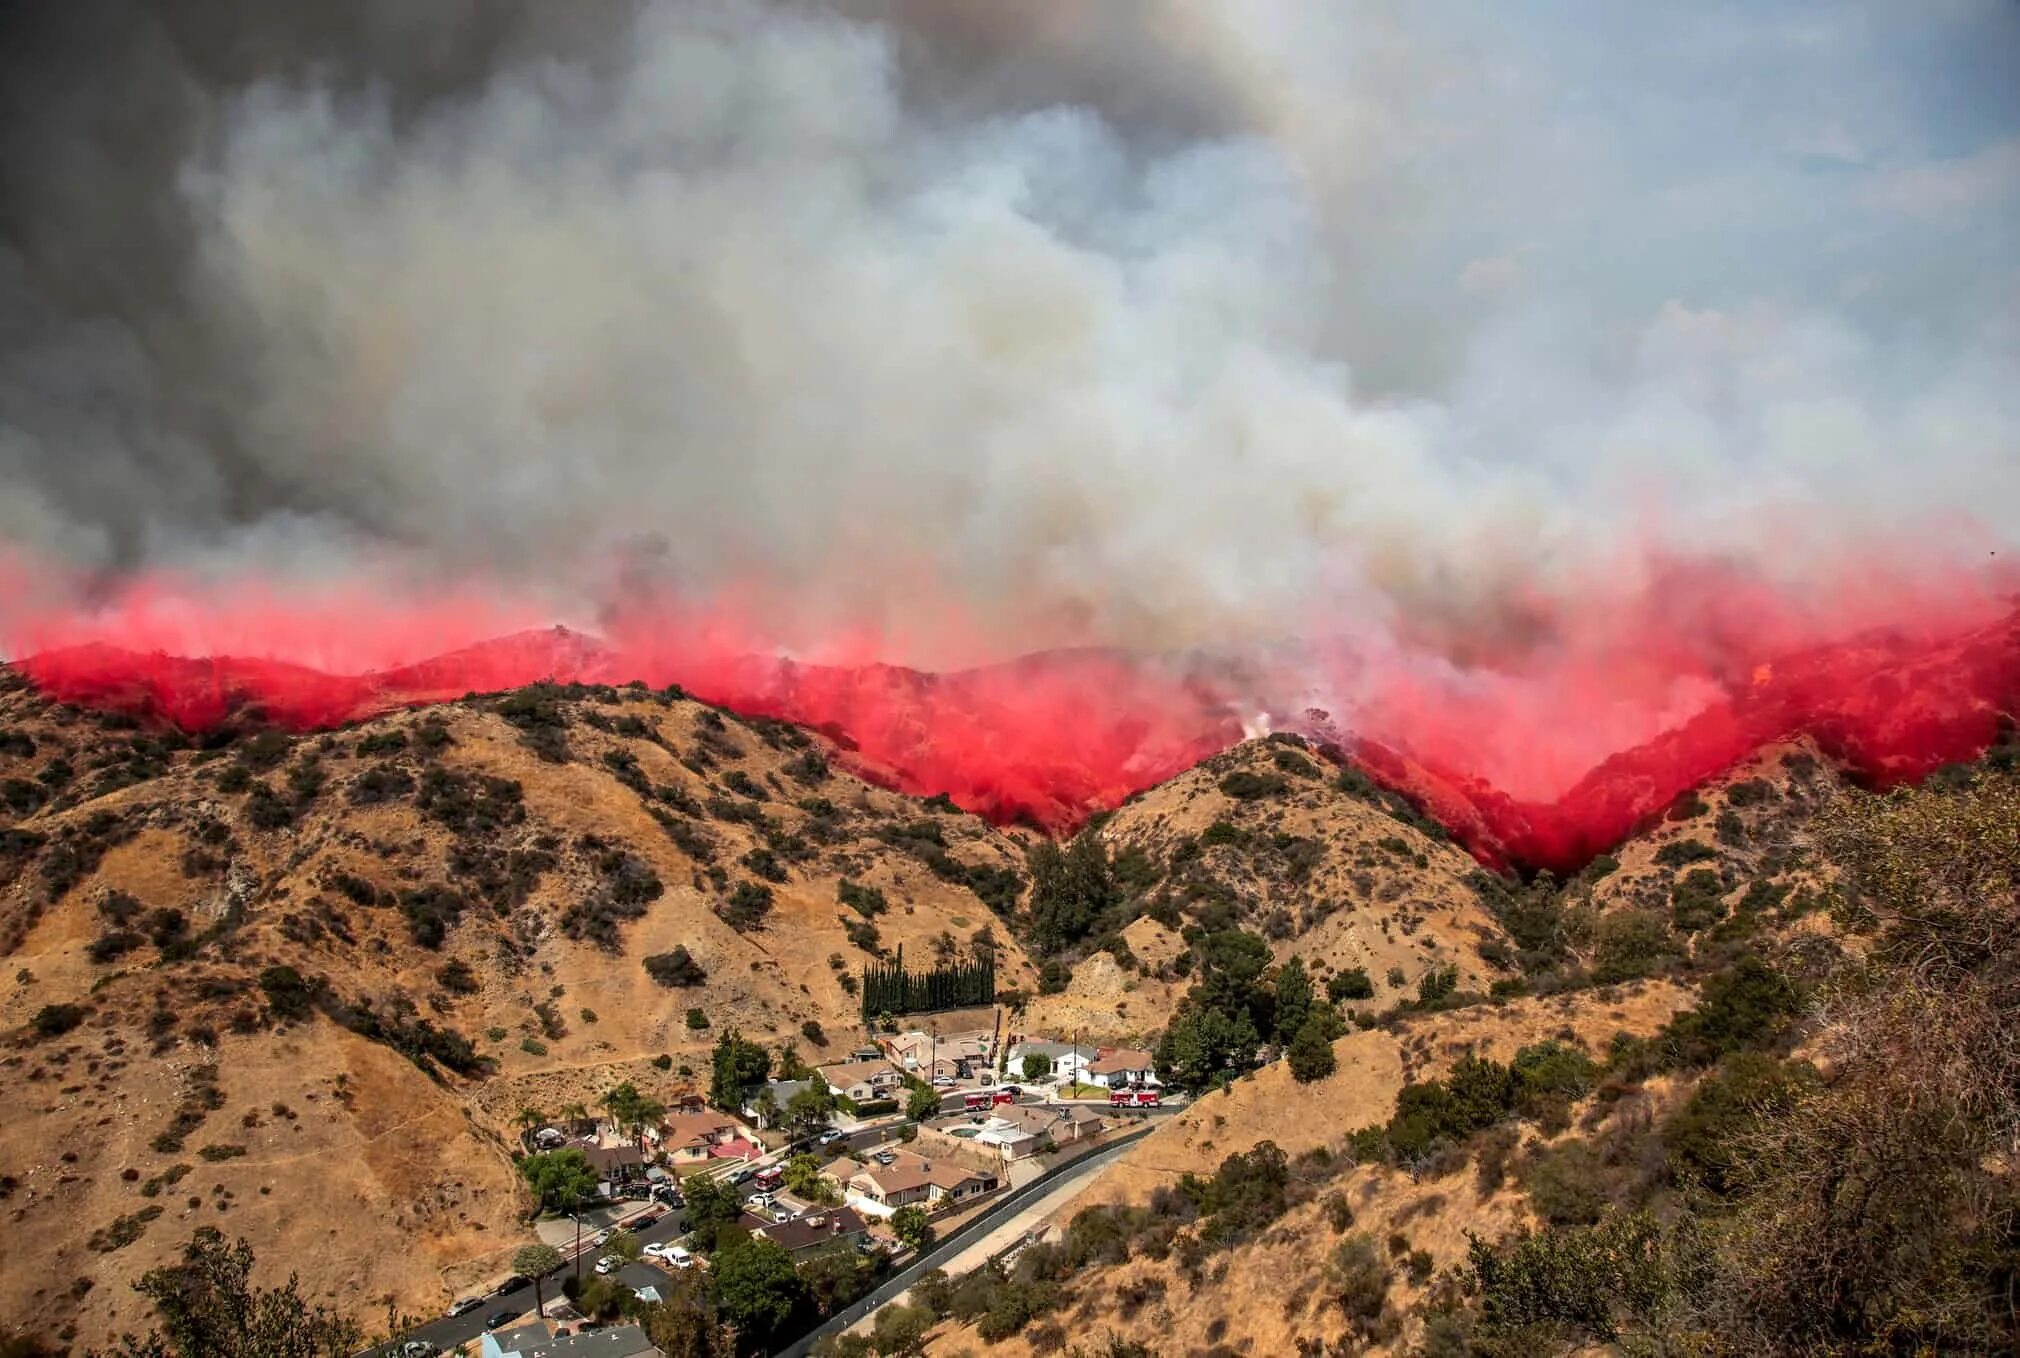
(1270, 837)
(340, 964)
(1266, 1294)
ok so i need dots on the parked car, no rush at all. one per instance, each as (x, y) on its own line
(743, 1176)
(511, 1284)
(828, 1138)
(886, 1157)
(500, 1319)
(419, 1348)
(602, 1237)
(943, 1082)
(667, 1194)
(658, 1249)
(609, 1263)
(466, 1306)
(762, 1199)
(680, 1257)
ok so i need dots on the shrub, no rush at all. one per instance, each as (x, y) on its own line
(696, 1020)
(1694, 900)
(1437, 984)
(1352, 984)
(456, 977)
(1630, 944)
(676, 968)
(1682, 852)
(54, 1020)
(747, 906)
(866, 901)
(288, 995)
(1245, 785)
(1564, 1185)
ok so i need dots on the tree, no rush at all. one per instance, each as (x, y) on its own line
(912, 1227)
(923, 1102)
(900, 1331)
(684, 1324)
(536, 1262)
(529, 1118)
(738, 1066)
(803, 1176)
(1293, 999)
(1070, 891)
(711, 1205)
(1311, 1052)
(811, 1109)
(208, 1308)
(1037, 1065)
(560, 1179)
(757, 1290)
(624, 1245)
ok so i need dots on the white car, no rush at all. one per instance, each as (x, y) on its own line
(602, 1237)
(829, 1137)
(679, 1257)
(659, 1249)
(466, 1306)
(762, 1199)
(609, 1263)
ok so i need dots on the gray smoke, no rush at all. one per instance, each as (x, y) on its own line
(1145, 323)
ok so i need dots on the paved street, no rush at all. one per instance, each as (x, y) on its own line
(448, 1332)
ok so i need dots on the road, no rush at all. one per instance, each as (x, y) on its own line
(445, 1334)
(448, 1332)
(957, 1244)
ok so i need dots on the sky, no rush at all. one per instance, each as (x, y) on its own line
(1448, 339)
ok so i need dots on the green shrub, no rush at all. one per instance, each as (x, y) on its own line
(1352, 984)
(1245, 785)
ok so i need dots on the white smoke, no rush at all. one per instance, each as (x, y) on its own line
(1184, 324)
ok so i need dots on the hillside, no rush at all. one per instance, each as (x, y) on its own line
(1785, 1130)
(473, 886)
(1267, 1294)
(1271, 838)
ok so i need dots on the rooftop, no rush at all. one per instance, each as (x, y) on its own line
(1123, 1058)
(621, 1341)
(802, 1232)
(851, 1072)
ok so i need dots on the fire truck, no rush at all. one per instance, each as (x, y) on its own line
(1132, 1098)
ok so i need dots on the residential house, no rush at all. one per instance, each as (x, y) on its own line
(1069, 1063)
(765, 1113)
(916, 1050)
(694, 1138)
(619, 1341)
(1009, 1131)
(515, 1340)
(616, 1165)
(863, 1081)
(909, 1179)
(1123, 1068)
(817, 1232)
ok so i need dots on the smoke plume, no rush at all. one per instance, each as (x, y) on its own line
(1512, 384)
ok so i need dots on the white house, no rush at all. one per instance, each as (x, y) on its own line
(1069, 1063)
(1123, 1068)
